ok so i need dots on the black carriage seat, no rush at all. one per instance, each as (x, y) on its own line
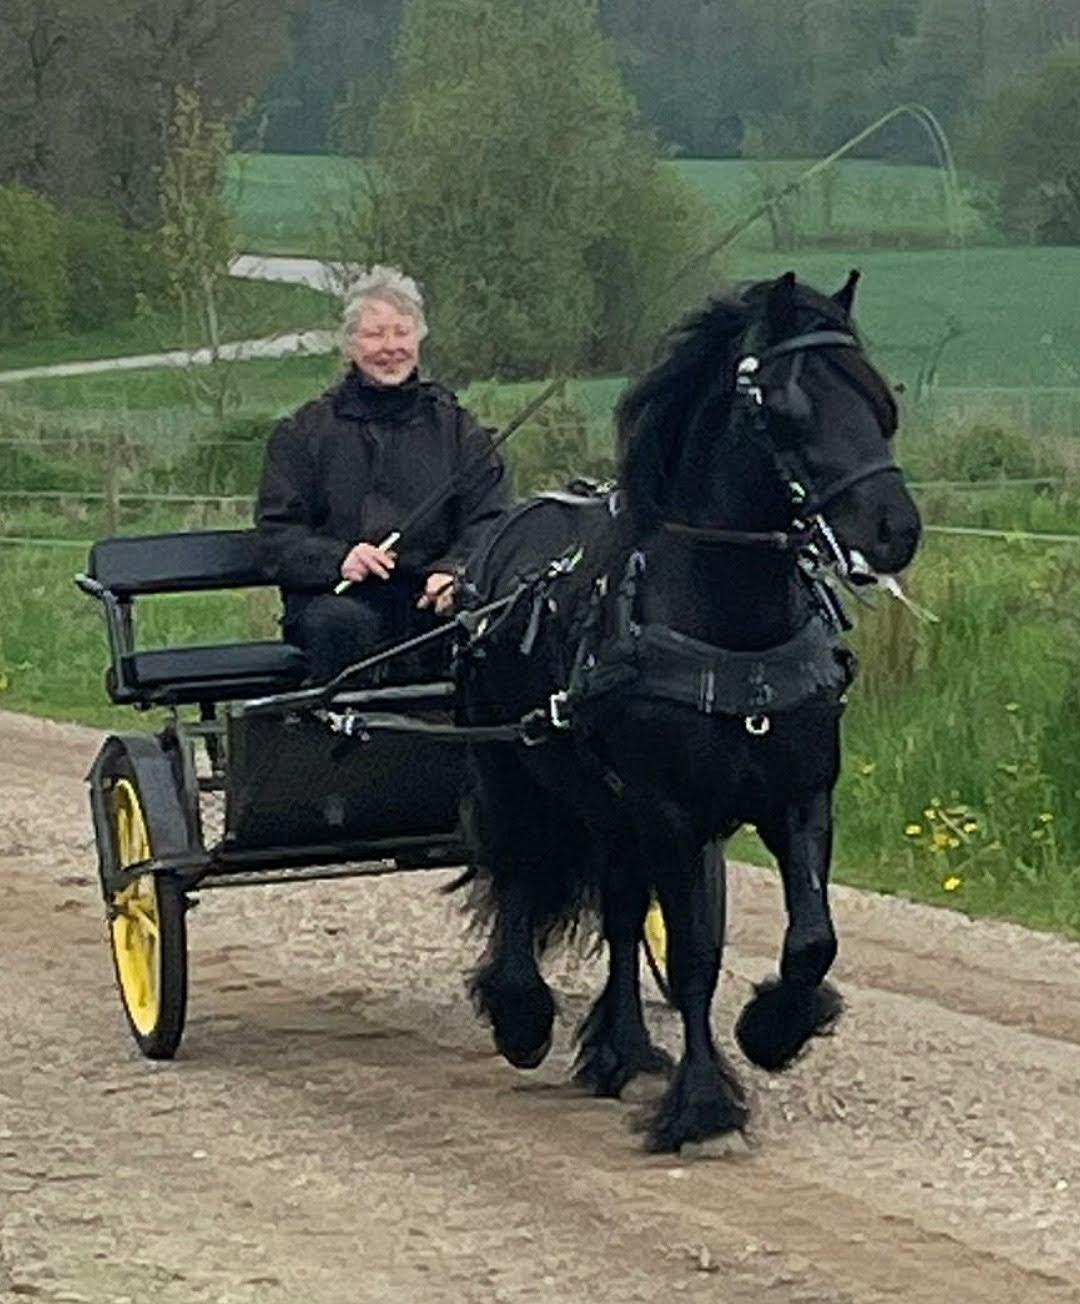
(125, 568)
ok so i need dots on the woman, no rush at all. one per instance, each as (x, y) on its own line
(344, 472)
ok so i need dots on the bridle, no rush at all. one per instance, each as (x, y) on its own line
(808, 501)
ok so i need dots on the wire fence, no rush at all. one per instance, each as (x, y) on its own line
(125, 479)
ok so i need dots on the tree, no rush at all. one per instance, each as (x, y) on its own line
(1025, 144)
(343, 51)
(33, 277)
(93, 86)
(518, 185)
(198, 240)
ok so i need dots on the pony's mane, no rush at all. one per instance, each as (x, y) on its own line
(654, 415)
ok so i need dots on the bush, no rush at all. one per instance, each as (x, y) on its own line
(33, 275)
(227, 462)
(109, 268)
(554, 446)
(983, 452)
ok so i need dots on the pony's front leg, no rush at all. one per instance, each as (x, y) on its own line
(613, 1042)
(786, 1012)
(705, 1097)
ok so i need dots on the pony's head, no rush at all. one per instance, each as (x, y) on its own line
(767, 411)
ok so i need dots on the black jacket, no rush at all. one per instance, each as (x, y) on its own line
(352, 465)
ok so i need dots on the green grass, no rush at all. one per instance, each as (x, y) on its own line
(976, 716)
(965, 729)
(124, 398)
(1015, 309)
(871, 202)
(250, 309)
(285, 203)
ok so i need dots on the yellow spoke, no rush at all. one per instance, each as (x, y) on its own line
(135, 910)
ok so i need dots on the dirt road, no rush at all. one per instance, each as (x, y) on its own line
(336, 1129)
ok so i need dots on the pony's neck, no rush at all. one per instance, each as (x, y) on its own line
(731, 596)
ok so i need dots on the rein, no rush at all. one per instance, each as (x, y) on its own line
(751, 395)
(780, 540)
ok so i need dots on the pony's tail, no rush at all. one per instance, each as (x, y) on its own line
(529, 852)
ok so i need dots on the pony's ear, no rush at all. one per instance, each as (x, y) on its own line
(780, 315)
(845, 297)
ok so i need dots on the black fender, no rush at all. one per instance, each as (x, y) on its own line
(143, 759)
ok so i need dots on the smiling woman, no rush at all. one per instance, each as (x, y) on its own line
(343, 473)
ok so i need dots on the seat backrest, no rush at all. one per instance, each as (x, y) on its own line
(178, 563)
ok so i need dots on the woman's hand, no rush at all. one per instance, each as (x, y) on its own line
(364, 560)
(438, 593)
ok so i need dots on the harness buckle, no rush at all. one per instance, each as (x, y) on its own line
(757, 725)
(746, 370)
(558, 710)
(534, 728)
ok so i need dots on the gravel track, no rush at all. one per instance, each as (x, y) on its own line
(336, 1128)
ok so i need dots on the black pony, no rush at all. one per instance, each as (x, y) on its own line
(695, 682)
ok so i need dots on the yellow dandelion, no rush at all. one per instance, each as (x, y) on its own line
(943, 839)
(1012, 707)
(952, 883)
(953, 842)
(912, 830)
(971, 827)
(1046, 817)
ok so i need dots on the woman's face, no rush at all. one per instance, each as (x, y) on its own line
(385, 344)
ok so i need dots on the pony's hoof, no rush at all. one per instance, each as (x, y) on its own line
(603, 1068)
(704, 1101)
(521, 1020)
(776, 1024)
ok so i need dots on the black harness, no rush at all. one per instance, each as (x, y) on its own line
(650, 660)
(808, 501)
(654, 661)
(618, 652)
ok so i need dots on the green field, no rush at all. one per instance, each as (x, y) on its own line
(286, 203)
(249, 310)
(1014, 308)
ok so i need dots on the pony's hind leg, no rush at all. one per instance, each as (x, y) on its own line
(785, 1012)
(705, 1097)
(511, 839)
(613, 1042)
(508, 987)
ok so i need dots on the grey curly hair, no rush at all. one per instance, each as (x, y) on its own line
(382, 285)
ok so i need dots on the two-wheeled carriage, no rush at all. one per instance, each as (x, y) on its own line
(253, 778)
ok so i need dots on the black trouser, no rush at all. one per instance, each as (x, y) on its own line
(337, 630)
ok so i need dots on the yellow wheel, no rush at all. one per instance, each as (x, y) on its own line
(147, 932)
(654, 936)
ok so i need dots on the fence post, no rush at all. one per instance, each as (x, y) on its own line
(112, 484)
